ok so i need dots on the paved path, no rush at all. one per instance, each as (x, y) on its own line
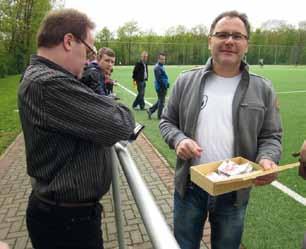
(15, 188)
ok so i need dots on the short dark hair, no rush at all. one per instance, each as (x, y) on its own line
(107, 51)
(233, 13)
(161, 54)
(57, 23)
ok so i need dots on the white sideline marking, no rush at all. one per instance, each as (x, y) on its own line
(134, 94)
(299, 91)
(289, 192)
(275, 184)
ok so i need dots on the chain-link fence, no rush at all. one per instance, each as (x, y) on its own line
(127, 53)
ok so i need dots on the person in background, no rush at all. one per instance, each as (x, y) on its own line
(302, 173)
(217, 112)
(94, 73)
(161, 84)
(68, 132)
(140, 76)
(302, 154)
(109, 83)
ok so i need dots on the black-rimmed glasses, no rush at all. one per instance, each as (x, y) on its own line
(89, 51)
(235, 35)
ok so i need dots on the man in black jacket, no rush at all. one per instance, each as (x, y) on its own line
(140, 76)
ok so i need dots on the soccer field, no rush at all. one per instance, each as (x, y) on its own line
(274, 219)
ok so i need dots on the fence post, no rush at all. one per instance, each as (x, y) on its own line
(117, 199)
(157, 228)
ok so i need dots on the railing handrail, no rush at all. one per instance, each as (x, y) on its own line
(156, 226)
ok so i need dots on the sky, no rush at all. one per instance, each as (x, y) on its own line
(159, 15)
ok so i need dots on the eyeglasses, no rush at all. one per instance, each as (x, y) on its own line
(225, 35)
(89, 51)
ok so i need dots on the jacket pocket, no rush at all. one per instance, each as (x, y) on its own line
(252, 116)
(253, 106)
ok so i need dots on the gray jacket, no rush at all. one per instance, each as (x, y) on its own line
(256, 120)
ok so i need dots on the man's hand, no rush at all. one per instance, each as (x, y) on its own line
(188, 148)
(3, 245)
(266, 164)
(303, 152)
(302, 168)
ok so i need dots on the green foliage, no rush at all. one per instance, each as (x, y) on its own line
(19, 22)
(9, 119)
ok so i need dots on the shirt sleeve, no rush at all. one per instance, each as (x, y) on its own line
(70, 108)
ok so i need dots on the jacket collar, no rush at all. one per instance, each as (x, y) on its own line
(36, 59)
(243, 66)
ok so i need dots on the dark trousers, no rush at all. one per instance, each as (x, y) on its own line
(109, 88)
(53, 227)
(141, 85)
(160, 103)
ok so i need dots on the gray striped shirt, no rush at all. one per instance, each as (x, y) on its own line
(68, 131)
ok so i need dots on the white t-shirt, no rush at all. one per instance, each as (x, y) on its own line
(214, 132)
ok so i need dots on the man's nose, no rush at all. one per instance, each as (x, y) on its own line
(229, 39)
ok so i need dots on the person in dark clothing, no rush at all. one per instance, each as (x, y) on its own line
(94, 73)
(140, 76)
(161, 84)
(68, 132)
(93, 77)
(302, 154)
(302, 173)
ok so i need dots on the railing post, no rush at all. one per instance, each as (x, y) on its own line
(156, 226)
(117, 199)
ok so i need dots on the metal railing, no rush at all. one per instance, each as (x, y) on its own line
(156, 226)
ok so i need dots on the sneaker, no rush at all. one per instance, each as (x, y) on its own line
(143, 108)
(149, 114)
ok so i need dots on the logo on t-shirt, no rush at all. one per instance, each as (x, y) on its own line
(204, 101)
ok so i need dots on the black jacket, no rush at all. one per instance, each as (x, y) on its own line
(93, 77)
(138, 72)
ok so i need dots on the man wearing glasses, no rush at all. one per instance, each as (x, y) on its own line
(68, 133)
(217, 112)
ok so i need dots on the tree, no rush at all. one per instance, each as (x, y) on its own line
(199, 30)
(103, 37)
(128, 30)
(302, 25)
(19, 22)
(274, 25)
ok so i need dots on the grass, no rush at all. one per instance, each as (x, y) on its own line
(274, 220)
(9, 119)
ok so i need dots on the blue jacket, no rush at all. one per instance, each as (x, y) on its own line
(161, 77)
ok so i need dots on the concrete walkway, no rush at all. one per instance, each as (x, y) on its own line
(15, 188)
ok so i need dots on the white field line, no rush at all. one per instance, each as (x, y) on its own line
(299, 91)
(131, 92)
(275, 184)
(289, 192)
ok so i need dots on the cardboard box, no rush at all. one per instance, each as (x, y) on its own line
(198, 176)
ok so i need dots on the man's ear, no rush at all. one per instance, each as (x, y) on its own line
(68, 41)
(246, 49)
(209, 41)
